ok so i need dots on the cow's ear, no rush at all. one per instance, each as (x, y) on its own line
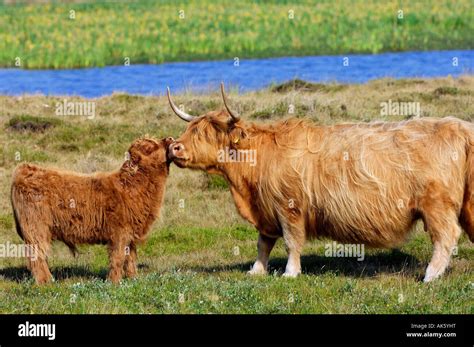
(237, 136)
(221, 126)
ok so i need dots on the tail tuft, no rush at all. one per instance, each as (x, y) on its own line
(19, 230)
(467, 211)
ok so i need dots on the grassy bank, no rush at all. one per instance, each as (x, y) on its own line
(45, 36)
(196, 257)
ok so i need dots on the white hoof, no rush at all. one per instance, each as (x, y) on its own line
(256, 272)
(291, 274)
(431, 274)
(257, 269)
(427, 278)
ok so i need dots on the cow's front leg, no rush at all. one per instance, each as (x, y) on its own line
(294, 236)
(264, 246)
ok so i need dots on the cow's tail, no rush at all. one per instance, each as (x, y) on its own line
(13, 198)
(467, 211)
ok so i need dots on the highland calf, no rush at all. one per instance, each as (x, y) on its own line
(115, 208)
(353, 183)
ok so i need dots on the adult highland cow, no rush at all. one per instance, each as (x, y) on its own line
(115, 208)
(354, 183)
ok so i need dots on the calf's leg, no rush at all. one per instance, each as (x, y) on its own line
(130, 266)
(38, 239)
(40, 270)
(117, 253)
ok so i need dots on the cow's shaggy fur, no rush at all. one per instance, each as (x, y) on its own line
(115, 208)
(354, 183)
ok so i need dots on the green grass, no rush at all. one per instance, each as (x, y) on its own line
(26, 122)
(44, 36)
(197, 255)
(195, 270)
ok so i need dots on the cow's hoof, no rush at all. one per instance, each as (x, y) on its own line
(429, 278)
(257, 269)
(431, 274)
(257, 272)
(291, 274)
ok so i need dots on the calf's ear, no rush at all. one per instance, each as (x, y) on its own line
(147, 147)
(135, 157)
(168, 141)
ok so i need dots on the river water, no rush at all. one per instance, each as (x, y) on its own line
(246, 74)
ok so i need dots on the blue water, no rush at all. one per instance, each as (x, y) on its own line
(251, 74)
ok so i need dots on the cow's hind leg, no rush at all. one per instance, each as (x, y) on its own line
(265, 245)
(444, 243)
(130, 266)
(442, 224)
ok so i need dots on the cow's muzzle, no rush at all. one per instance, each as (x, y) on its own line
(176, 152)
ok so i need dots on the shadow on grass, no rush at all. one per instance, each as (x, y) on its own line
(60, 273)
(372, 265)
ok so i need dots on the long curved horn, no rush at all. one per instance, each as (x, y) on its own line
(234, 116)
(181, 114)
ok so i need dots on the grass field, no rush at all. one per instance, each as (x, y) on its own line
(45, 36)
(196, 258)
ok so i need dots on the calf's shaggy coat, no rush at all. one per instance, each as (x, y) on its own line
(115, 208)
